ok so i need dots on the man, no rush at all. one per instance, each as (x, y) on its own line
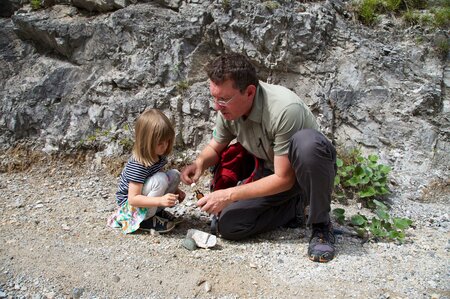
(276, 126)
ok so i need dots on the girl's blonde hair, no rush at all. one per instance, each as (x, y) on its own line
(152, 127)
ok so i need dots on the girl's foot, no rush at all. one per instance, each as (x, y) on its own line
(158, 224)
(169, 216)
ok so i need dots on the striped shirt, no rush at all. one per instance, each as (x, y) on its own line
(138, 173)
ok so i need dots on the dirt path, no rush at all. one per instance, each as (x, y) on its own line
(55, 244)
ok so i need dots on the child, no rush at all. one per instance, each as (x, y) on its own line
(144, 191)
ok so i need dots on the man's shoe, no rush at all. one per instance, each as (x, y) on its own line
(158, 224)
(169, 216)
(321, 245)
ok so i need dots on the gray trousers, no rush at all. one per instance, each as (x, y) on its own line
(313, 159)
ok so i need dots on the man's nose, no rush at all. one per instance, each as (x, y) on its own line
(218, 107)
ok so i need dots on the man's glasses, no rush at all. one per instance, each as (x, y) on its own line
(222, 102)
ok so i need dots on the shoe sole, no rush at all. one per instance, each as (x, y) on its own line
(320, 259)
(159, 231)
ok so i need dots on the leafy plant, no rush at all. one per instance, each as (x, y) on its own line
(182, 86)
(271, 5)
(381, 226)
(362, 177)
(367, 11)
(35, 4)
(442, 17)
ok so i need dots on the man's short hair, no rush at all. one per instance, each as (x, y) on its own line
(234, 66)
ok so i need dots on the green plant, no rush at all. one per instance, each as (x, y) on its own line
(182, 86)
(271, 5)
(426, 20)
(360, 176)
(442, 46)
(381, 226)
(442, 17)
(35, 4)
(411, 17)
(226, 5)
(367, 11)
(392, 5)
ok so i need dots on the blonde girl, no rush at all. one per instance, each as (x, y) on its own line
(144, 190)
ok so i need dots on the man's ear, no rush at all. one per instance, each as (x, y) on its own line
(250, 91)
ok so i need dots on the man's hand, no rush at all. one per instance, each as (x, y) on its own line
(191, 173)
(215, 202)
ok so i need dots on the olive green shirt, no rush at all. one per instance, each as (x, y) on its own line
(276, 115)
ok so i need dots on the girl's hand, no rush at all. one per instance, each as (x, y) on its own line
(181, 195)
(168, 200)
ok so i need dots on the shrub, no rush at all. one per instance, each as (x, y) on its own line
(381, 226)
(361, 177)
(35, 4)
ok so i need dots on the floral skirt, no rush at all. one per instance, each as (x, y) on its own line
(127, 218)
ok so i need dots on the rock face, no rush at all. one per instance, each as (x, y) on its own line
(75, 76)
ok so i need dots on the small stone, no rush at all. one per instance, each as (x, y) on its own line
(207, 287)
(116, 278)
(77, 292)
(189, 244)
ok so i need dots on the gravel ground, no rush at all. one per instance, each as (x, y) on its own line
(55, 244)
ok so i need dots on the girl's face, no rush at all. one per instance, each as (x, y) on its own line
(162, 147)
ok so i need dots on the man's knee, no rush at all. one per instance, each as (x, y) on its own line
(308, 145)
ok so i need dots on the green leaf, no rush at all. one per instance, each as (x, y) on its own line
(384, 169)
(368, 172)
(337, 180)
(359, 170)
(393, 234)
(364, 181)
(402, 223)
(373, 158)
(380, 205)
(382, 191)
(339, 162)
(382, 214)
(367, 192)
(338, 211)
(378, 232)
(358, 220)
(354, 181)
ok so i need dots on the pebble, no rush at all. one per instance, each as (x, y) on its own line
(77, 293)
(116, 278)
(189, 244)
